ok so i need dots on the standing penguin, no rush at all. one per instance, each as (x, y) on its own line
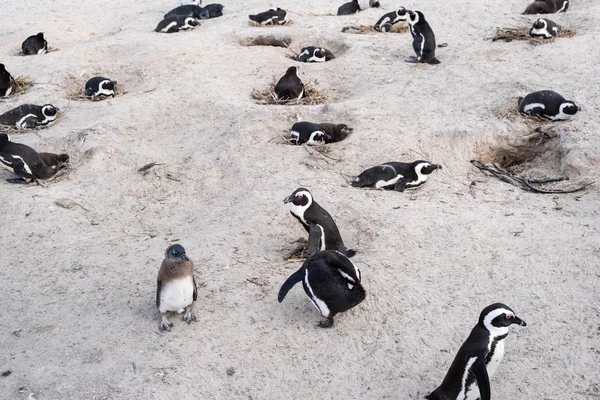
(541, 7)
(99, 87)
(289, 86)
(396, 175)
(176, 23)
(176, 289)
(477, 359)
(315, 54)
(423, 38)
(323, 233)
(331, 281)
(349, 8)
(547, 104)
(544, 28)
(384, 24)
(274, 16)
(27, 163)
(35, 45)
(29, 116)
(7, 83)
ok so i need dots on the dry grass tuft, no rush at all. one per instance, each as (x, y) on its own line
(270, 40)
(367, 29)
(22, 84)
(311, 96)
(510, 34)
(76, 94)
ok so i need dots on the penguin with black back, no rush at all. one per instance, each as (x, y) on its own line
(544, 28)
(289, 86)
(541, 7)
(273, 16)
(189, 10)
(547, 104)
(194, 2)
(478, 358)
(29, 116)
(349, 8)
(385, 23)
(27, 163)
(423, 38)
(314, 54)
(176, 23)
(214, 10)
(323, 233)
(562, 5)
(397, 176)
(99, 87)
(311, 133)
(331, 281)
(7, 82)
(35, 44)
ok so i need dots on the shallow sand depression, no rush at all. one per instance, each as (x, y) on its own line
(78, 313)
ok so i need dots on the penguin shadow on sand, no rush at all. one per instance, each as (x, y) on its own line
(93, 88)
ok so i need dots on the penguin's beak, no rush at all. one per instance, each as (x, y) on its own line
(287, 199)
(436, 166)
(519, 321)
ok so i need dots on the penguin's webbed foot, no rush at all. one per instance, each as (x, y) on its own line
(188, 317)
(17, 180)
(412, 60)
(165, 324)
(328, 323)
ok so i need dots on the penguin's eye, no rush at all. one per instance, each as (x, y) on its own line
(299, 195)
(509, 316)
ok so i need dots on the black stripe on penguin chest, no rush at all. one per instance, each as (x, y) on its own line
(302, 222)
(492, 351)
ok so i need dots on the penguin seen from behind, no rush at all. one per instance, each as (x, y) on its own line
(289, 86)
(7, 82)
(35, 44)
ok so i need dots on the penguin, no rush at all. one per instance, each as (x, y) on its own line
(274, 16)
(29, 116)
(562, 5)
(27, 163)
(323, 233)
(189, 10)
(176, 289)
(35, 45)
(396, 175)
(331, 281)
(337, 132)
(7, 82)
(477, 359)
(194, 2)
(547, 104)
(214, 10)
(541, 7)
(544, 28)
(384, 24)
(315, 54)
(176, 23)
(423, 38)
(349, 8)
(374, 3)
(309, 133)
(99, 87)
(289, 86)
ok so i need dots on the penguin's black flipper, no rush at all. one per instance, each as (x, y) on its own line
(343, 265)
(158, 286)
(483, 380)
(400, 185)
(17, 180)
(291, 281)
(315, 238)
(18, 167)
(195, 295)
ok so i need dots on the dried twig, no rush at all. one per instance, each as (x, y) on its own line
(311, 96)
(510, 34)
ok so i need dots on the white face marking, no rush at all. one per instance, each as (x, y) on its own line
(311, 141)
(421, 178)
(102, 91)
(176, 295)
(21, 123)
(320, 304)
(295, 135)
(495, 330)
(561, 112)
(531, 106)
(8, 91)
(187, 24)
(299, 210)
(47, 118)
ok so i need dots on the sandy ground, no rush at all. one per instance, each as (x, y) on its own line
(77, 300)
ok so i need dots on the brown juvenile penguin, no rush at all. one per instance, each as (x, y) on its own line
(176, 288)
(338, 132)
(541, 7)
(289, 87)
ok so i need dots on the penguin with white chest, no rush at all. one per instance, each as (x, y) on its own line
(27, 163)
(547, 104)
(176, 289)
(544, 28)
(331, 281)
(7, 82)
(312, 54)
(29, 116)
(176, 23)
(385, 23)
(289, 86)
(478, 358)
(423, 38)
(311, 133)
(323, 233)
(99, 87)
(273, 16)
(35, 44)
(396, 176)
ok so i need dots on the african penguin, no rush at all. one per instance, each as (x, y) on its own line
(396, 175)
(311, 133)
(175, 23)
(384, 24)
(189, 10)
(541, 7)
(176, 289)
(544, 28)
(289, 86)
(547, 104)
(349, 8)
(7, 82)
(194, 2)
(99, 87)
(35, 45)
(331, 281)
(477, 359)
(214, 10)
(315, 54)
(27, 163)
(562, 5)
(323, 233)
(274, 16)
(29, 116)
(423, 38)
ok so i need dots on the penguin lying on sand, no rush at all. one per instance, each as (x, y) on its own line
(99, 87)
(274, 16)
(315, 54)
(311, 133)
(547, 104)
(176, 23)
(349, 8)
(385, 23)
(331, 281)
(289, 86)
(396, 175)
(323, 233)
(190, 10)
(7, 82)
(29, 116)
(541, 7)
(176, 289)
(34, 45)
(27, 163)
(544, 28)
(423, 38)
(214, 10)
(478, 357)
